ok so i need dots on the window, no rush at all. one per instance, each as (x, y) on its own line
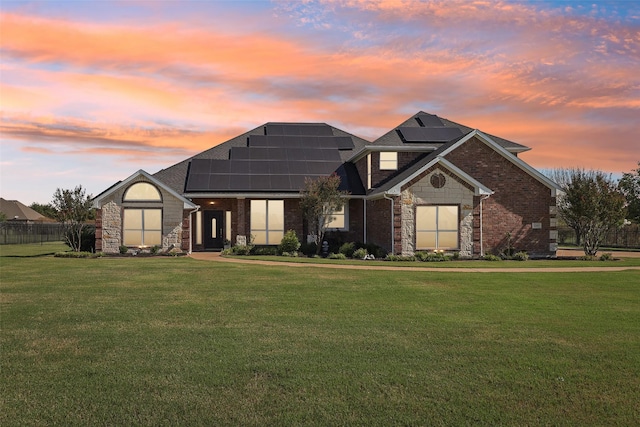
(142, 191)
(142, 227)
(368, 171)
(388, 160)
(339, 217)
(267, 221)
(198, 230)
(437, 227)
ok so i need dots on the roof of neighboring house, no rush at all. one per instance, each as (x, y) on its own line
(14, 210)
(274, 157)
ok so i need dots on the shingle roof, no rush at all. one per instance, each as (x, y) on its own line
(14, 210)
(271, 144)
(425, 120)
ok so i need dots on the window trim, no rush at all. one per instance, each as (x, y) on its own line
(437, 229)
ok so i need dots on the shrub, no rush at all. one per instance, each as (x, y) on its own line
(606, 257)
(309, 249)
(241, 250)
(289, 254)
(289, 242)
(455, 256)
(263, 250)
(123, 249)
(520, 256)
(491, 257)
(175, 252)
(155, 249)
(348, 249)
(392, 257)
(337, 256)
(360, 253)
(73, 254)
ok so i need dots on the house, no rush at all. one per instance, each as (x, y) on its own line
(17, 211)
(428, 184)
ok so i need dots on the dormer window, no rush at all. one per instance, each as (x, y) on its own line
(388, 160)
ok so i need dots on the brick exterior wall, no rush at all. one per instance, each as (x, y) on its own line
(378, 176)
(420, 192)
(519, 201)
(379, 224)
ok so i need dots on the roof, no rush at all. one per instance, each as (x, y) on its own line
(14, 210)
(393, 185)
(431, 130)
(97, 201)
(274, 157)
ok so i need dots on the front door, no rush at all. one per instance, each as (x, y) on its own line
(213, 229)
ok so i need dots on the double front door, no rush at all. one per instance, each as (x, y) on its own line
(213, 229)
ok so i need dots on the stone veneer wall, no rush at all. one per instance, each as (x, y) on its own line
(175, 224)
(423, 193)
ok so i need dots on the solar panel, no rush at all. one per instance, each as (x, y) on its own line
(200, 166)
(239, 167)
(280, 182)
(433, 134)
(198, 182)
(429, 120)
(219, 182)
(219, 166)
(259, 167)
(298, 129)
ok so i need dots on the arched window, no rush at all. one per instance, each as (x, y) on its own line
(142, 222)
(142, 191)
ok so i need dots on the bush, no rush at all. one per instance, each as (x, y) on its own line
(289, 242)
(123, 249)
(491, 257)
(309, 249)
(241, 250)
(520, 256)
(87, 238)
(155, 249)
(360, 253)
(337, 256)
(73, 254)
(606, 257)
(289, 254)
(263, 250)
(347, 249)
(392, 257)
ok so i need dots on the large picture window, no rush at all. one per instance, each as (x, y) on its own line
(267, 221)
(437, 227)
(142, 227)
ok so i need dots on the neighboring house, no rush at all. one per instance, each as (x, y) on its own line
(429, 184)
(16, 211)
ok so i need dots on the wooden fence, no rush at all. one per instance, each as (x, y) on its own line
(13, 232)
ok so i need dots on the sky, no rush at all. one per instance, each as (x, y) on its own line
(92, 91)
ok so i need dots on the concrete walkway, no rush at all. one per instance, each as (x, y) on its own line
(215, 256)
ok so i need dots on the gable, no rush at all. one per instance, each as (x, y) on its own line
(117, 190)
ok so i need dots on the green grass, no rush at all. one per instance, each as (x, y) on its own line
(175, 341)
(32, 249)
(540, 263)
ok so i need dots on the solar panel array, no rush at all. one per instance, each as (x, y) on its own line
(429, 134)
(277, 161)
(429, 120)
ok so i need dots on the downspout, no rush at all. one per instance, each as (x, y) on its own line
(481, 242)
(392, 221)
(191, 228)
(365, 222)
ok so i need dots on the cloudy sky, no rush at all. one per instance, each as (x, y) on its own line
(92, 91)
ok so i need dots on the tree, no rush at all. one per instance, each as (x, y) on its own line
(44, 210)
(319, 200)
(73, 209)
(591, 205)
(629, 185)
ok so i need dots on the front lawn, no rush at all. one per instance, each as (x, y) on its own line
(175, 341)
